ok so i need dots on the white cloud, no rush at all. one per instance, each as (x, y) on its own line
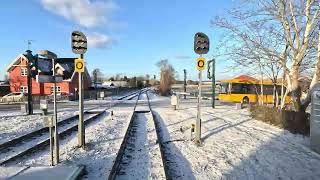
(97, 40)
(84, 12)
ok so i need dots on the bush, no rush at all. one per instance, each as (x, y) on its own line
(167, 77)
(295, 122)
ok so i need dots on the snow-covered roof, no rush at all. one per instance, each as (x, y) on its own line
(45, 65)
(16, 61)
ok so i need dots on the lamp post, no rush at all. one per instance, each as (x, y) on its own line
(53, 56)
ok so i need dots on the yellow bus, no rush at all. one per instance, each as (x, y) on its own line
(245, 89)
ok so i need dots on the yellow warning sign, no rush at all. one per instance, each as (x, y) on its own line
(201, 62)
(79, 65)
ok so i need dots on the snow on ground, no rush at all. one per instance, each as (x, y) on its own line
(103, 140)
(235, 146)
(143, 153)
(155, 164)
(15, 126)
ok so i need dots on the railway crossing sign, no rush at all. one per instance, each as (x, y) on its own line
(79, 65)
(201, 62)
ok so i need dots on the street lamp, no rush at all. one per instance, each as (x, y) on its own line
(53, 56)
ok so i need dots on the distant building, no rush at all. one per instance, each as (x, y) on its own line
(17, 73)
(115, 84)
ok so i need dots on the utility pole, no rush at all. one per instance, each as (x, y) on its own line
(53, 57)
(29, 81)
(29, 43)
(56, 135)
(198, 124)
(185, 83)
(81, 120)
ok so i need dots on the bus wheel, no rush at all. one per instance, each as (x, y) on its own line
(245, 100)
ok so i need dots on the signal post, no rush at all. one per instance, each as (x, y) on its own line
(79, 46)
(201, 46)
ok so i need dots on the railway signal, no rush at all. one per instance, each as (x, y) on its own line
(201, 46)
(78, 42)
(79, 46)
(212, 77)
(201, 43)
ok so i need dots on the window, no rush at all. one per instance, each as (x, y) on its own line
(239, 88)
(24, 89)
(224, 88)
(58, 89)
(24, 72)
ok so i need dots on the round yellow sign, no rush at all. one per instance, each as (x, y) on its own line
(201, 62)
(79, 65)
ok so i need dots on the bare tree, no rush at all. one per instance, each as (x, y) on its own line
(167, 76)
(316, 76)
(277, 31)
(6, 79)
(118, 77)
(97, 78)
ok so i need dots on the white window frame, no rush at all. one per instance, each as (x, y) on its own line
(23, 71)
(24, 89)
(58, 89)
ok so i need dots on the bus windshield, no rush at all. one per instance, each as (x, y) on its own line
(224, 88)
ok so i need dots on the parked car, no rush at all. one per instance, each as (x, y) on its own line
(61, 96)
(14, 97)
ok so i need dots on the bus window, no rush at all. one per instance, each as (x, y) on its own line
(238, 88)
(224, 88)
(268, 89)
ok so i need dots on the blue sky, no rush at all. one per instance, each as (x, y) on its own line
(125, 36)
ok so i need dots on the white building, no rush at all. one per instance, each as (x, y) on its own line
(115, 84)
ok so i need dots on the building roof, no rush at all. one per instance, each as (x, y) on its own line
(246, 78)
(45, 66)
(65, 64)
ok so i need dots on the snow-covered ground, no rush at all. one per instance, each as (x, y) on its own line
(235, 146)
(103, 140)
(15, 126)
(142, 155)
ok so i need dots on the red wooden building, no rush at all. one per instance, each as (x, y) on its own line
(17, 73)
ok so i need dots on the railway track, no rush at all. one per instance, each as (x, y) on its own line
(133, 155)
(37, 140)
